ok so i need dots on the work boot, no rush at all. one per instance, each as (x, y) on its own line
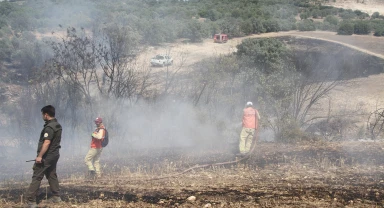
(30, 205)
(91, 174)
(54, 199)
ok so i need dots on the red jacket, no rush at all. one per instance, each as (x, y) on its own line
(96, 142)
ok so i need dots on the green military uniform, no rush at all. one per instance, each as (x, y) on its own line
(51, 131)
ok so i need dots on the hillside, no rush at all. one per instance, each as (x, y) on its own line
(368, 6)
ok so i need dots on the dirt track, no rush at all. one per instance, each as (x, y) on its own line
(195, 52)
(365, 93)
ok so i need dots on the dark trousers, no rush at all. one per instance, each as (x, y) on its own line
(47, 168)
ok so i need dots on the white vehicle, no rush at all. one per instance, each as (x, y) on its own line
(161, 60)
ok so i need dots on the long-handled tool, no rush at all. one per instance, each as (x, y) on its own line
(34, 160)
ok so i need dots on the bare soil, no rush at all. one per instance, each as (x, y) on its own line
(368, 6)
(344, 174)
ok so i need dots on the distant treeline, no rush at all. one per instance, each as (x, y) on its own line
(155, 22)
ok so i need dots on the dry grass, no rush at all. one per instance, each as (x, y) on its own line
(296, 175)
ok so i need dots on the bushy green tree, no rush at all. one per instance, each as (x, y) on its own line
(345, 28)
(3, 22)
(362, 27)
(264, 53)
(316, 13)
(6, 8)
(230, 26)
(304, 15)
(20, 21)
(213, 15)
(326, 26)
(306, 25)
(246, 27)
(271, 25)
(5, 50)
(379, 31)
(360, 14)
(375, 15)
(332, 19)
(257, 25)
(347, 14)
(194, 31)
(287, 25)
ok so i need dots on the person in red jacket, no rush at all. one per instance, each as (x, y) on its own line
(92, 159)
(250, 123)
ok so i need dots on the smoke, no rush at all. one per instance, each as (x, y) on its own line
(168, 123)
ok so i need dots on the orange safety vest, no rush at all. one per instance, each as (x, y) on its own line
(250, 118)
(96, 143)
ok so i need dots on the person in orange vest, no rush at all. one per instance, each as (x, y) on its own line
(92, 159)
(251, 118)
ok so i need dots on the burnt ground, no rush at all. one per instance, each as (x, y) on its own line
(342, 174)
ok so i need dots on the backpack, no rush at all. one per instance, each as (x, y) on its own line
(105, 141)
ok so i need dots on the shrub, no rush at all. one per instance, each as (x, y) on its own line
(271, 25)
(213, 15)
(331, 19)
(316, 13)
(304, 15)
(346, 28)
(348, 14)
(257, 25)
(362, 27)
(267, 53)
(375, 15)
(379, 32)
(3, 23)
(193, 31)
(360, 14)
(5, 50)
(325, 26)
(287, 25)
(306, 25)
(246, 27)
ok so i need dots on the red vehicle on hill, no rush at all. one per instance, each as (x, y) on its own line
(220, 38)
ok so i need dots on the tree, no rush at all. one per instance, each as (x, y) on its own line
(306, 25)
(264, 53)
(271, 25)
(116, 49)
(74, 61)
(362, 27)
(291, 87)
(287, 25)
(5, 50)
(257, 25)
(6, 8)
(375, 15)
(193, 31)
(213, 15)
(332, 19)
(379, 31)
(345, 28)
(246, 27)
